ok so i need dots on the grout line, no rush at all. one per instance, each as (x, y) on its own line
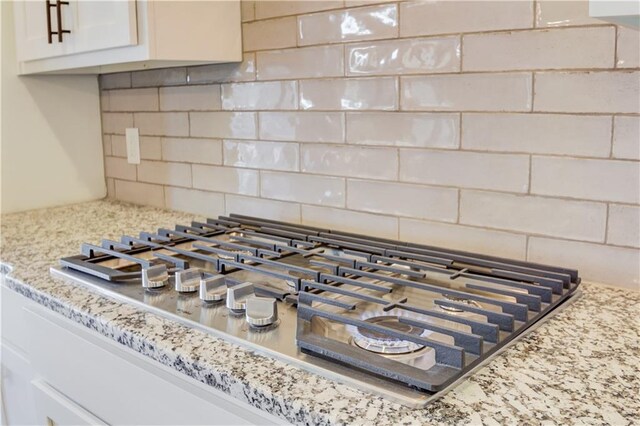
(613, 129)
(530, 173)
(615, 47)
(533, 90)
(606, 224)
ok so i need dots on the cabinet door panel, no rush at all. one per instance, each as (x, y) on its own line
(31, 31)
(53, 408)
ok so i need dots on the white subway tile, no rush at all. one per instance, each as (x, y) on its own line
(349, 221)
(557, 13)
(364, 23)
(116, 122)
(308, 62)
(120, 80)
(116, 167)
(578, 220)
(162, 123)
(190, 98)
(580, 135)
(425, 130)
(302, 126)
(626, 137)
(401, 199)
(225, 179)
(208, 151)
(240, 125)
(588, 92)
(624, 225)
(628, 48)
(503, 172)
(352, 161)
(107, 145)
(248, 10)
(270, 9)
(206, 204)
(408, 56)
(139, 193)
(599, 263)
(159, 77)
(540, 49)
(269, 34)
(104, 101)
(446, 17)
(350, 94)
(497, 243)
(467, 92)
(268, 209)
(261, 155)
(111, 188)
(178, 174)
(222, 73)
(606, 180)
(150, 147)
(325, 190)
(260, 96)
(133, 100)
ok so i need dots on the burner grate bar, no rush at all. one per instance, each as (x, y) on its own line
(504, 321)
(367, 298)
(90, 249)
(344, 280)
(389, 268)
(531, 300)
(471, 343)
(306, 297)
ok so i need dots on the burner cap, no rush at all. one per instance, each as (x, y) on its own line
(381, 343)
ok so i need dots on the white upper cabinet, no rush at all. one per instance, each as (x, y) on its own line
(88, 36)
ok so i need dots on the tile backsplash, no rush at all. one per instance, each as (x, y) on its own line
(506, 127)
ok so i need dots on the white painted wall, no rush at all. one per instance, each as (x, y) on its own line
(51, 149)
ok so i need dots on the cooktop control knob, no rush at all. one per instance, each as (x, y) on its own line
(187, 281)
(237, 296)
(155, 276)
(261, 311)
(213, 288)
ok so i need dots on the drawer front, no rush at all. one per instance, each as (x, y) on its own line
(53, 408)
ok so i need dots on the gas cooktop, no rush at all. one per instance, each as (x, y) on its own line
(406, 321)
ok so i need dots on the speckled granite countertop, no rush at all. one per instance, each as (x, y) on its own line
(580, 367)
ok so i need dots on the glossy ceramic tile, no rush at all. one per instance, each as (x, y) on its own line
(408, 56)
(269, 34)
(624, 225)
(120, 80)
(465, 238)
(447, 17)
(308, 62)
(467, 92)
(226, 179)
(401, 199)
(239, 125)
(190, 98)
(207, 151)
(159, 77)
(139, 193)
(268, 209)
(424, 130)
(222, 73)
(540, 49)
(350, 94)
(116, 122)
(349, 25)
(133, 100)
(599, 262)
(270, 9)
(559, 13)
(204, 204)
(603, 180)
(260, 96)
(502, 172)
(626, 134)
(588, 92)
(177, 174)
(162, 123)
(350, 221)
(628, 48)
(352, 161)
(580, 220)
(150, 147)
(116, 167)
(262, 155)
(302, 126)
(578, 135)
(308, 189)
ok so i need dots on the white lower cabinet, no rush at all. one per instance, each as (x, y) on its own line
(72, 375)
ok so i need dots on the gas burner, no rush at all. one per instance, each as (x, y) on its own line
(380, 343)
(459, 300)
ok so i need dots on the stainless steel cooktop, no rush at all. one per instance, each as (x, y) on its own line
(402, 320)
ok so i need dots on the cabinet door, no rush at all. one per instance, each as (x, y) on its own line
(53, 408)
(94, 25)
